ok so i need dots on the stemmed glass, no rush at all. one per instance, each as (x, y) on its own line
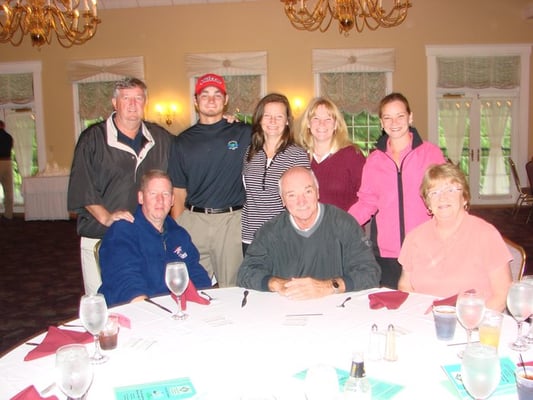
(73, 370)
(519, 304)
(469, 308)
(529, 337)
(177, 280)
(93, 316)
(480, 370)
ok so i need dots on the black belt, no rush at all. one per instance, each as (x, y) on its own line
(212, 210)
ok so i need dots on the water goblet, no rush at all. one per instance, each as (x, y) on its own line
(93, 316)
(519, 304)
(529, 337)
(480, 370)
(177, 280)
(73, 370)
(470, 307)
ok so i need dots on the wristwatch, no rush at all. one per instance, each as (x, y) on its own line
(335, 286)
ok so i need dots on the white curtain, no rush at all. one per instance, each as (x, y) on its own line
(353, 60)
(22, 128)
(496, 113)
(106, 69)
(453, 117)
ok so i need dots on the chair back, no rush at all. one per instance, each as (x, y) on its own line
(519, 259)
(96, 251)
(514, 172)
(529, 171)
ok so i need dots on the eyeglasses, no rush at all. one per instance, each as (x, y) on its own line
(445, 190)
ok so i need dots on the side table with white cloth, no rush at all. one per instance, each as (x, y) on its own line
(227, 349)
(45, 197)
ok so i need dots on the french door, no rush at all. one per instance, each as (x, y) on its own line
(477, 131)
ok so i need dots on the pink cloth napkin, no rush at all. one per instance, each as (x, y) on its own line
(392, 300)
(54, 339)
(448, 301)
(190, 294)
(30, 393)
(123, 320)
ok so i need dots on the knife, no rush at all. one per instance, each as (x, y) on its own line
(243, 303)
(157, 305)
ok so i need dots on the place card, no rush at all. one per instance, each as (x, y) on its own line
(174, 389)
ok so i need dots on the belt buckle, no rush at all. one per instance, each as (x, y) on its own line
(208, 210)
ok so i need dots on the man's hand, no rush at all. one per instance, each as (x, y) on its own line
(118, 215)
(302, 288)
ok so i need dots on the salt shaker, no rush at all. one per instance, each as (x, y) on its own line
(390, 344)
(374, 344)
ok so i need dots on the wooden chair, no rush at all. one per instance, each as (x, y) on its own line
(525, 198)
(519, 259)
(529, 171)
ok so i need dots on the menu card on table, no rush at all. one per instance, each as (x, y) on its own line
(506, 386)
(174, 389)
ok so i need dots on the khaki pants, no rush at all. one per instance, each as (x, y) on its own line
(6, 179)
(218, 239)
(89, 266)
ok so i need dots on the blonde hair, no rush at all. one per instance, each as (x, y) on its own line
(441, 172)
(340, 137)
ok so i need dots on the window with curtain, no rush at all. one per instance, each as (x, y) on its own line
(356, 80)
(478, 112)
(244, 74)
(16, 102)
(93, 83)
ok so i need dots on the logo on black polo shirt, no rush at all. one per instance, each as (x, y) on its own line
(180, 253)
(233, 145)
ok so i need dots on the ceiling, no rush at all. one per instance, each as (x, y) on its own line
(109, 4)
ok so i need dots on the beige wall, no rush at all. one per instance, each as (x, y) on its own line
(163, 35)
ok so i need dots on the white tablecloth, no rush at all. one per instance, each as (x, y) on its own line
(45, 197)
(226, 349)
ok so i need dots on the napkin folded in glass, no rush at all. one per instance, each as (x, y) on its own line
(447, 301)
(190, 294)
(30, 393)
(54, 339)
(391, 299)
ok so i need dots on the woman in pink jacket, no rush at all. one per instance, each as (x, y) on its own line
(390, 184)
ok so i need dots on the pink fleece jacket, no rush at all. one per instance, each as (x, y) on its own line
(391, 193)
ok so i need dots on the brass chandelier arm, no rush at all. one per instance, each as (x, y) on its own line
(311, 15)
(71, 21)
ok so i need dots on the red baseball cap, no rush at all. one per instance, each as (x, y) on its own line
(210, 80)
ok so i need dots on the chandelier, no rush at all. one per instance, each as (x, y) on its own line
(71, 21)
(310, 15)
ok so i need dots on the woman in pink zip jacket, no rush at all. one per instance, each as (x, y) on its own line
(390, 184)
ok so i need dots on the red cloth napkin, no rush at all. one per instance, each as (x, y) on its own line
(54, 339)
(392, 300)
(30, 393)
(190, 294)
(123, 320)
(448, 301)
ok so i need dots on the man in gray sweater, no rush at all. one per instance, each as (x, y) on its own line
(311, 250)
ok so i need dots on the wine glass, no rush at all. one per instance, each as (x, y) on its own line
(480, 370)
(177, 280)
(519, 299)
(73, 370)
(93, 316)
(529, 337)
(470, 307)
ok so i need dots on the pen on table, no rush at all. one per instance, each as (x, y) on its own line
(303, 315)
(157, 305)
(462, 343)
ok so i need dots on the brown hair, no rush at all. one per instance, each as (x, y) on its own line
(258, 136)
(393, 97)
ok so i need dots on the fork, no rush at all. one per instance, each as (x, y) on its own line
(347, 299)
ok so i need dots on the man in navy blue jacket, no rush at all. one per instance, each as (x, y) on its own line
(133, 256)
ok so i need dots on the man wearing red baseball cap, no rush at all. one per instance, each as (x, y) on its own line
(205, 165)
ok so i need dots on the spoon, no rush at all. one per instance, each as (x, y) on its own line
(347, 299)
(206, 295)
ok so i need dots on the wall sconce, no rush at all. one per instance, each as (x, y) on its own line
(166, 112)
(297, 105)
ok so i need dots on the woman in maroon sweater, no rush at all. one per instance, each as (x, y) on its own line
(335, 160)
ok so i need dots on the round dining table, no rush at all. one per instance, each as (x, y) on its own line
(263, 348)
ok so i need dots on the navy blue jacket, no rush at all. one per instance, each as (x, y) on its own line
(133, 258)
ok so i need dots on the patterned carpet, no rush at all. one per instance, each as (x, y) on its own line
(41, 284)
